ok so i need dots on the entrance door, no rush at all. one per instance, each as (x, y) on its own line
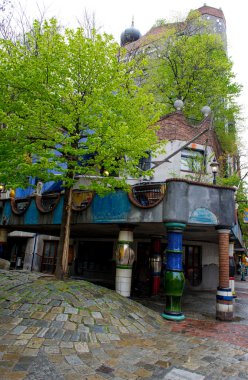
(95, 262)
(17, 252)
(193, 264)
(48, 262)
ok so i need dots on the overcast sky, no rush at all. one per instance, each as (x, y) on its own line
(116, 15)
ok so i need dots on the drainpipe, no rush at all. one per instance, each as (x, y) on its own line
(33, 253)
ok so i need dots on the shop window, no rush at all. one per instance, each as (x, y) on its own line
(193, 160)
(193, 264)
(48, 263)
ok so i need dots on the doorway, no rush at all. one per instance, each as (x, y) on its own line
(49, 255)
(95, 262)
(193, 264)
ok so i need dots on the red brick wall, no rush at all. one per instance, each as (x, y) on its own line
(224, 259)
(175, 127)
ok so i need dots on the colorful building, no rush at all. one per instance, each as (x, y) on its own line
(173, 229)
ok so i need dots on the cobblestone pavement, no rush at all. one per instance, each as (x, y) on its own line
(76, 330)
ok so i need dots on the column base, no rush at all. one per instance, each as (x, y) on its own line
(173, 317)
(224, 316)
(123, 280)
(224, 304)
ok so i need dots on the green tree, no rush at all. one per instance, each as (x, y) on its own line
(70, 107)
(190, 63)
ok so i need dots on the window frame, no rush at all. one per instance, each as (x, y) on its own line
(190, 154)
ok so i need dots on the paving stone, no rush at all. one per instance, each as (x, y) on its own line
(73, 360)
(57, 324)
(42, 369)
(32, 330)
(82, 328)
(51, 350)
(42, 323)
(96, 315)
(88, 321)
(59, 334)
(179, 374)
(67, 336)
(42, 332)
(66, 345)
(30, 352)
(81, 347)
(18, 330)
(111, 331)
(50, 333)
(71, 310)
(22, 342)
(76, 318)
(23, 363)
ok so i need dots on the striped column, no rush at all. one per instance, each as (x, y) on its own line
(224, 298)
(174, 276)
(124, 262)
(232, 269)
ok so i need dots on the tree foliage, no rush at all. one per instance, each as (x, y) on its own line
(190, 63)
(65, 98)
(70, 107)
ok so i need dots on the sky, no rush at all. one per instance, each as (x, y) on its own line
(114, 16)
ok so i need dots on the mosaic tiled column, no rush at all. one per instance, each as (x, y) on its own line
(224, 298)
(174, 276)
(124, 262)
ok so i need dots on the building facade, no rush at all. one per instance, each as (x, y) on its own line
(175, 225)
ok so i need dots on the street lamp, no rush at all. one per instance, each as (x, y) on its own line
(215, 167)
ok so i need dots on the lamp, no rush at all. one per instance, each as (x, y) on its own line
(178, 104)
(215, 167)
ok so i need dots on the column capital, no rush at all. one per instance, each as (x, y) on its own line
(175, 226)
(223, 231)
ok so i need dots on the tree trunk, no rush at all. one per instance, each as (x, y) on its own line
(63, 248)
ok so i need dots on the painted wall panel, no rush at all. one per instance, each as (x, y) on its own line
(111, 208)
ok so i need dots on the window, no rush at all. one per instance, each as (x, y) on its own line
(145, 162)
(193, 160)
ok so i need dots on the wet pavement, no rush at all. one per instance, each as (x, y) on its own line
(75, 330)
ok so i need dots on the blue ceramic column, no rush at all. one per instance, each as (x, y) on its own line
(174, 276)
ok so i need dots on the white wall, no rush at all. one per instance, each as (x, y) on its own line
(210, 266)
(172, 169)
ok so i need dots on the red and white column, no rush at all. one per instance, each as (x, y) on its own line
(224, 297)
(232, 269)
